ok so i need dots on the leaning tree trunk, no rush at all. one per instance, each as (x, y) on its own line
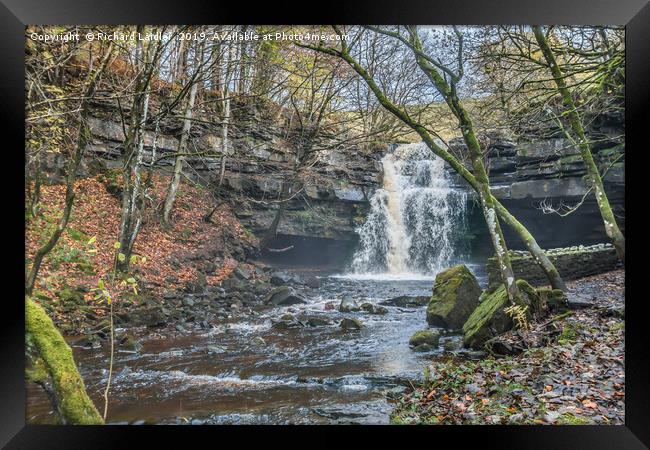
(611, 227)
(531, 244)
(70, 397)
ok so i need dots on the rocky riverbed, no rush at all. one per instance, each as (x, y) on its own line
(212, 359)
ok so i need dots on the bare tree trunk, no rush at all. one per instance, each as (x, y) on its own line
(611, 227)
(182, 145)
(535, 250)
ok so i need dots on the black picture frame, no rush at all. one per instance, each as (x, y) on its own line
(16, 14)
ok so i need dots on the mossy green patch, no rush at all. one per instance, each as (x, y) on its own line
(73, 403)
(489, 318)
(455, 295)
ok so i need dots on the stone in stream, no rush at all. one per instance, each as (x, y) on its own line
(151, 317)
(283, 295)
(489, 318)
(313, 282)
(348, 305)
(406, 301)
(350, 324)
(455, 295)
(258, 341)
(130, 344)
(429, 337)
(423, 348)
(317, 322)
(373, 309)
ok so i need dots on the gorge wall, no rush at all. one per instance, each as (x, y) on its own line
(332, 197)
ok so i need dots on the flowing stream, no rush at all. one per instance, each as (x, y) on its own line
(250, 371)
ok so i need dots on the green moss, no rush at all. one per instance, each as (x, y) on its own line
(489, 317)
(570, 419)
(443, 301)
(429, 337)
(570, 332)
(73, 403)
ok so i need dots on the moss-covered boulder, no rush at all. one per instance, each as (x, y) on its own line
(429, 337)
(489, 318)
(455, 295)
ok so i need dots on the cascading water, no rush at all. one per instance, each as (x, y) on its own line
(414, 218)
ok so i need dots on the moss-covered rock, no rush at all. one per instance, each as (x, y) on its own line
(430, 337)
(489, 318)
(553, 299)
(455, 295)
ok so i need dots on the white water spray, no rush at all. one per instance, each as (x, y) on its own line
(414, 218)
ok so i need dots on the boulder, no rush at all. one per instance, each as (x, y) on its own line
(350, 324)
(283, 295)
(373, 309)
(317, 322)
(349, 305)
(280, 278)
(405, 301)
(242, 273)
(455, 295)
(489, 319)
(150, 317)
(429, 337)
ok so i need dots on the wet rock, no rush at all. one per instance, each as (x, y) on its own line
(180, 328)
(453, 345)
(405, 301)
(287, 316)
(258, 341)
(215, 349)
(150, 317)
(280, 278)
(577, 301)
(242, 273)
(373, 309)
(349, 305)
(350, 324)
(283, 295)
(130, 344)
(329, 306)
(423, 348)
(313, 282)
(287, 324)
(318, 322)
(88, 341)
(430, 337)
(455, 296)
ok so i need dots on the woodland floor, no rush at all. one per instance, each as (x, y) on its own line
(573, 372)
(190, 251)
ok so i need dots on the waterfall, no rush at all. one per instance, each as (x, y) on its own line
(414, 219)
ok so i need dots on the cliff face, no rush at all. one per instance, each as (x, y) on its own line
(327, 201)
(331, 197)
(531, 177)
